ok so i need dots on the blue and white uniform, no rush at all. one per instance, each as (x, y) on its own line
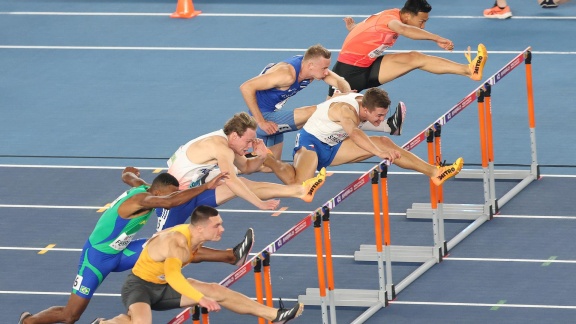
(189, 175)
(272, 100)
(322, 135)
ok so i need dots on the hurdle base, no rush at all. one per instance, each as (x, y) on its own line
(344, 297)
(498, 174)
(398, 253)
(449, 211)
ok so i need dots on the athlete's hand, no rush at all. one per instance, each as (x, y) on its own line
(271, 204)
(210, 304)
(350, 24)
(269, 127)
(259, 148)
(132, 170)
(445, 44)
(390, 155)
(218, 180)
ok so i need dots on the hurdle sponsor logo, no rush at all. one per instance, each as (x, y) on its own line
(460, 106)
(179, 320)
(240, 273)
(300, 227)
(508, 68)
(288, 236)
(413, 143)
(359, 184)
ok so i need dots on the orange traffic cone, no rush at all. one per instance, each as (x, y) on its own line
(185, 9)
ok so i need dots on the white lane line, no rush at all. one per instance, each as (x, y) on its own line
(250, 15)
(338, 256)
(23, 292)
(239, 49)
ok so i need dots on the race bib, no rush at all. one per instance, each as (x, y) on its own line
(122, 242)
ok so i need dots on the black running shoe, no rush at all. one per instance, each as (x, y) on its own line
(396, 120)
(547, 4)
(285, 315)
(23, 316)
(242, 250)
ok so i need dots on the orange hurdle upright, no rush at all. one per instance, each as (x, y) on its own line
(257, 265)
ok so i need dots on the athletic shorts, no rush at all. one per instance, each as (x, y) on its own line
(160, 297)
(359, 78)
(94, 266)
(325, 152)
(179, 215)
(285, 121)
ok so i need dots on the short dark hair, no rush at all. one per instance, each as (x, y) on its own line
(239, 123)
(416, 6)
(317, 51)
(165, 179)
(375, 97)
(202, 213)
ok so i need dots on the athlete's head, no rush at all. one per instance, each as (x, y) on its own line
(415, 13)
(164, 184)
(241, 132)
(207, 222)
(316, 62)
(375, 104)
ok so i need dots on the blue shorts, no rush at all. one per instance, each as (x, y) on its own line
(179, 215)
(285, 121)
(94, 266)
(325, 152)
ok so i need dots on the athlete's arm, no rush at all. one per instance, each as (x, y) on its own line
(225, 157)
(345, 115)
(131, 177)
(247, 166)
(177, 253)
(147, 200)
(419, 34)
(337, 82)
(279, 76)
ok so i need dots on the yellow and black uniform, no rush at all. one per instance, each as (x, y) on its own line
(159, 284)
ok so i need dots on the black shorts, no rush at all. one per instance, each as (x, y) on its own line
(159, 296)
(359, 78)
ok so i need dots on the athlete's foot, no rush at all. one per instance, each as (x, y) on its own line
(284, 315)
(445, 172)
(23, 316)
(242, 250)
(313, 184)
(395, 121)
(476, 66)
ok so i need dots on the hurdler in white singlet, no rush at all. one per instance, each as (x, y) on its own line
(324, 129)
(188, 173)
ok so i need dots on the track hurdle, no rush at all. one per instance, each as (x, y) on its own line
(488, 173)
(284, 238)
(374, 300)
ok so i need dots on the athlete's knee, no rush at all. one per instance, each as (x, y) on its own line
(386, 142)
(216, 291)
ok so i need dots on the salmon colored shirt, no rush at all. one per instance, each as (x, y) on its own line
(369, 39)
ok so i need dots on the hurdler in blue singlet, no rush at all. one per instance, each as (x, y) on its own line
(271, 101)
